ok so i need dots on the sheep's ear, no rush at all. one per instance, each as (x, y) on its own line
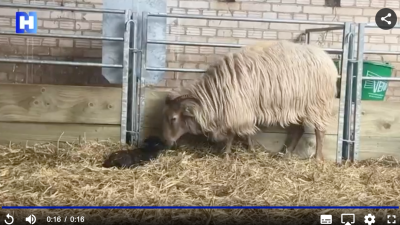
(169, 99)
(187, 111)
(171, 96)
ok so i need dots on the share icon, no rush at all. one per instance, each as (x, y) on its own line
(386, 19)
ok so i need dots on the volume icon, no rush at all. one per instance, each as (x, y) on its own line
(31, 219)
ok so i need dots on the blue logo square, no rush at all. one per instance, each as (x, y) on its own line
(25, 22)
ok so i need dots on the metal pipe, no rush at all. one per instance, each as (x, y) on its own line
(347, 131)
(183, 70)
(204, 44)
(243, 19)
(64, 63)
(143, 61)
(382, 78)
(344, 62)
(357, 107)
(373, 25)
(26, 6)
(307, 38)
(382, 52)
(134, 88)
(125, 77)
(63, 36)
(323, 29)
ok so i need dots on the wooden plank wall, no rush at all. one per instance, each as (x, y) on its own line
(42, 113)
(380, 129)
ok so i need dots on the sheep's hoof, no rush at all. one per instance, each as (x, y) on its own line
(276, 154)
(251, 149)
(227, 157)
(288, 155)
(320, 159)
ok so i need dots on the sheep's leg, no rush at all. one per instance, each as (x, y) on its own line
(319, 136)
(295, 132)
(250, 144)
(228, 145)
(248, 141)
(287, 141)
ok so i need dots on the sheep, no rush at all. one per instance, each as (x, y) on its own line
(265, 84)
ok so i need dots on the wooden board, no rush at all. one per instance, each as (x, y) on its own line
(60, 104)
(380, 126)
(38, 132)
(370, 146)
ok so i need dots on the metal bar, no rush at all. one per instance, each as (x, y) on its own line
(64, 63)
(347, 131)
(63, 36)
(183, 70)
(26, 6)
(382, 78)
(344, 62)
(323, 29)
(357, 107)
(203, 44)
(143, 71)
(244, 19)
(382, 52)
(373, 25)
(307, 38)
(134, 88)
(125, 77)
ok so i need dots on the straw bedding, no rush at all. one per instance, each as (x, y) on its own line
(71, 174)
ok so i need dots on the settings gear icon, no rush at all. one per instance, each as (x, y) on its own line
(369, 219)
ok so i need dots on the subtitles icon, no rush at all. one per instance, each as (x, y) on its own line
(326, 219)
(347, 218)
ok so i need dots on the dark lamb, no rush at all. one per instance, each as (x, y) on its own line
(151, 148)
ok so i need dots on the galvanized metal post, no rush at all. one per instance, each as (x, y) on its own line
(134, 88)
(125, 76)
(357, 107)
(143, 61)
(348, 96)
(344, 63)
(308, 37)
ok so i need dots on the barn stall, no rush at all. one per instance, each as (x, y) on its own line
(63, 134)
(32, 113)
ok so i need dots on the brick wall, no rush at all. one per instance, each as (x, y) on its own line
(185, 30)
(57, 22)
(250, 32)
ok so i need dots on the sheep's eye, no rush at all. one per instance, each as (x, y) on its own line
(173, 119)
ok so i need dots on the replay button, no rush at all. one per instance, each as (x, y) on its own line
(386, 19)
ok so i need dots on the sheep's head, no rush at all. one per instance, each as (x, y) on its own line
(178, 117)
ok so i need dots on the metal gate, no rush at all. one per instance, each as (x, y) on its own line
(355, 98)
(345, 75)
(126, 39)
(134, 60)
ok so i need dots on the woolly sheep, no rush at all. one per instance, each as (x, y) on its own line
(265, 84)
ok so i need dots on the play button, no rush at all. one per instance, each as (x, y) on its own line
(386, 19)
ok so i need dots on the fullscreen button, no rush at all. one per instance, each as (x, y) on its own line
(391, 219)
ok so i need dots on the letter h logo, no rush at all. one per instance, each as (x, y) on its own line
(25, 22)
